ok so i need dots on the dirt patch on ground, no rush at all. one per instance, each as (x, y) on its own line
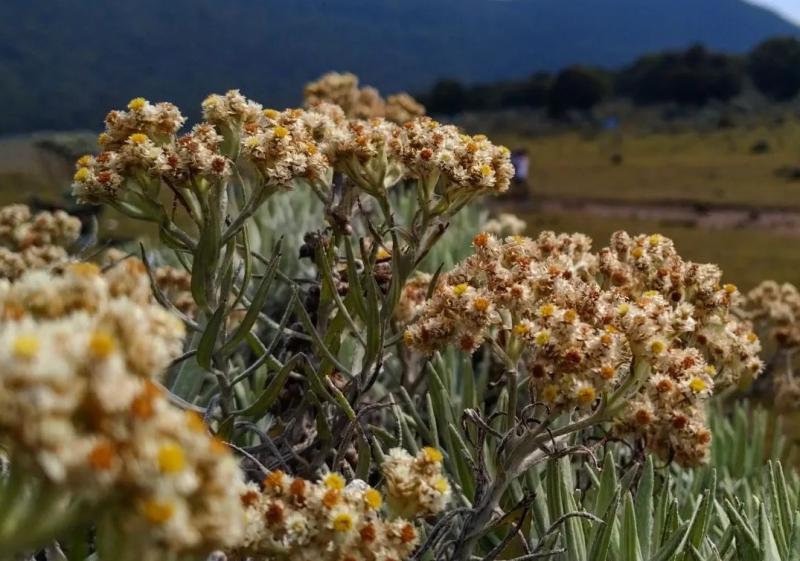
(782, 220)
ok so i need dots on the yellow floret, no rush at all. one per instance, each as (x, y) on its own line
(546, 310)
(550, 393)
(623, 309)
(101, 344)
(157, 512)
(84, 160)
(82, 175)
(521, 329)
(25, 346)
(138, 138)
(711, 370)
(697, 384)
(408, 338)
(655, 239)
(373, 499)
(486, 170)
(637, 251)
(542, 337)
(195, 422)
(171, 458)
(586, 395)
(730, 288)
(460, 289)
(570, 316)
(270, 113)
(280, 132)
(334, 481)
(441, 485)
(343, 522)
(658, 346)
(137, 103)
(432, 455)
(480, 304)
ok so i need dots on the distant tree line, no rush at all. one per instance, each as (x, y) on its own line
(693, 76)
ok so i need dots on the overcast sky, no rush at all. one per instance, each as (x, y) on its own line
(787, 8)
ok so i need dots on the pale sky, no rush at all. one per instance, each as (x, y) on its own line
(790, 9)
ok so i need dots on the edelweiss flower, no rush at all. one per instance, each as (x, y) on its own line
(30, 241)
(582, 323)
(290, 518)
(80, 407)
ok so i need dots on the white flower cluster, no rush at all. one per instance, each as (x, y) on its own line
(360, 103)
(582, 323)
(279, 149)
(412, 298)
(34, 241)
(415, 485)
(774, 309)
(506, 224)
(291, 518)
(81, 408)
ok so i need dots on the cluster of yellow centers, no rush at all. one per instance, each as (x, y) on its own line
(435, 456)
(480, 304)
(432, 455)
(81, 175)
(546, 310)
(542, 337)
(171, 458)
(138, 138)
(586, 395)
(657, 346)
(101, 344)
(25, 347)
(157, 511)
(137, 103)
(460, 289)
(697, 384)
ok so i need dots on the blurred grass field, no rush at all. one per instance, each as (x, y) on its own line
(716, 166)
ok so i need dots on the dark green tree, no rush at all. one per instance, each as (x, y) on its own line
(774, 67)
(578, 88)
(691, 77)
(447, 97)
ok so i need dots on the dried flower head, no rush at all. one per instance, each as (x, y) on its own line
(360, 103)
(413, 296)
(585, 323)
(775, 311)
(292, 518)
(29, 241)
(80, 406)
(415, 485)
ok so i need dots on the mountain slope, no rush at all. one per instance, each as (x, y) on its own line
(64, 63)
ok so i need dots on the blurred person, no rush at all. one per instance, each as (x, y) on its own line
(520, 187)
